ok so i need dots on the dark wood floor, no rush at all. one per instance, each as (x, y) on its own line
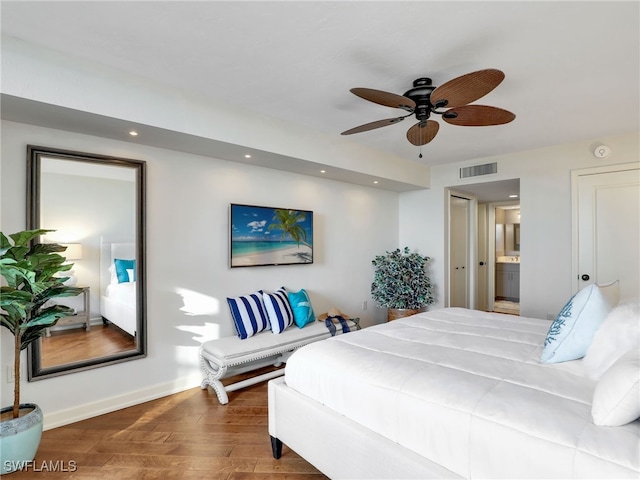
(75, 344)
(188, 435)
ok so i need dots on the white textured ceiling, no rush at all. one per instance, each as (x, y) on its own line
(572, 68)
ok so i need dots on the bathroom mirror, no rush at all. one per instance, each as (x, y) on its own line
(96, 205)
(507, 239)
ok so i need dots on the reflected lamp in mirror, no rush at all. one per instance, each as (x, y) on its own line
(73, 252)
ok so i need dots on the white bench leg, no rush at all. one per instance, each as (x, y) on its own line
(212, 377)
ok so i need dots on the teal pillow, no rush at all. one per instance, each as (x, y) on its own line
(571, 334)
(301, 306)
(121, 269)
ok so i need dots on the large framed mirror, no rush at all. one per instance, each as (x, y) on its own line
(96, 206)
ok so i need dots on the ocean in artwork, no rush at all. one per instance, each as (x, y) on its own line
(249, 247)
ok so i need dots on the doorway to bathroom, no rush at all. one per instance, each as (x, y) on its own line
(491, 254)
(506, 225)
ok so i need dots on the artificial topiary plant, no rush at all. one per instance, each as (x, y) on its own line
(30, 274)
(401, 281)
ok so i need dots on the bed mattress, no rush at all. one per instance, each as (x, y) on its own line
(122, 292)
(465, 389)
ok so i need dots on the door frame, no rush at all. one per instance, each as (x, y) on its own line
(575, 177)
(491, 247)
(471, 243)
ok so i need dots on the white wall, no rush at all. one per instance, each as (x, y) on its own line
(84, 209)
(187, 254)
(545, 205)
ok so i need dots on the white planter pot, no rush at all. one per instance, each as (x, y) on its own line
(20, 438)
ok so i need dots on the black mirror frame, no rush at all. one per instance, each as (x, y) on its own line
(34, 156)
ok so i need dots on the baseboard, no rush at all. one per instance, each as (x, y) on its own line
(111, 404)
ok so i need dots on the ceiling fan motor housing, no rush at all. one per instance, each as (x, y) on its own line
(421, 95)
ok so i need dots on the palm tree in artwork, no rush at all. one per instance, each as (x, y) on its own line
(288, 221)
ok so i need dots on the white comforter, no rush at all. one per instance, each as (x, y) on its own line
(465, 389)
(122, 292)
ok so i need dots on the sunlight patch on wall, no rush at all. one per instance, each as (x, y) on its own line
(202, 333)
(195, 303)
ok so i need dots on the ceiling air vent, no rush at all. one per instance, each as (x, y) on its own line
(477, 170)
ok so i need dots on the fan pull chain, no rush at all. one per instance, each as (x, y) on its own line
(420, 131)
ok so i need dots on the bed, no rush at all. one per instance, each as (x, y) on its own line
(118, 287)
(451, 393)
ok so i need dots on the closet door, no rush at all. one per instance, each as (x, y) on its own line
(459, 248)
(608, 229)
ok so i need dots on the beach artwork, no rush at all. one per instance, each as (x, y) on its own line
(270, 236)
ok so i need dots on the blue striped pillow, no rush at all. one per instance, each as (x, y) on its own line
(248, 314)
(278, 310)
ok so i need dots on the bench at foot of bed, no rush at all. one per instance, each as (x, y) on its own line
(228, 356)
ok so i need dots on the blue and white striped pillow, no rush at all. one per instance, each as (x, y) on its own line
(248, 314)
(279, 310)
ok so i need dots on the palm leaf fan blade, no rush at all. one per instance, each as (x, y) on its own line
(467, 88)
(477, 116)
(423, 132)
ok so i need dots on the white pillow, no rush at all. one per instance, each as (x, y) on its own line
(619, 333)
(611, 291)
(571, 333)
(114, 275)
(616, 399)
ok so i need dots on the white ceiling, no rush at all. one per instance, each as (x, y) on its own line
(572, 68)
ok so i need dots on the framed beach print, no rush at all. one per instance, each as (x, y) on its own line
(270, 236)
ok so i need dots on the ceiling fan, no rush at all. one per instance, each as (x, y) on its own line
(424, 99)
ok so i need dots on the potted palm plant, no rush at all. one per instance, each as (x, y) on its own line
(400, 283)
(30, 272)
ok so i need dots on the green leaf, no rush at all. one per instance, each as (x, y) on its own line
(48, 317)
(23, 238)
(45, 248)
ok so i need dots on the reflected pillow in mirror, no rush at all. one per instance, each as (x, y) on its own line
(121, 269)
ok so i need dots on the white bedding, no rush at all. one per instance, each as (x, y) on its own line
(122, 292)
(117, 300)
(465, 389)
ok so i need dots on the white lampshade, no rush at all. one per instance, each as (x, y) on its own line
(73, 251)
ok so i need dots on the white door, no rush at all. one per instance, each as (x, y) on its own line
(608, 229)
(459, 248)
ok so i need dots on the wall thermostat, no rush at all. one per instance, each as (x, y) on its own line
(602, 151)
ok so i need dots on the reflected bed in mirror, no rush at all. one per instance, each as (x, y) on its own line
(96, 205)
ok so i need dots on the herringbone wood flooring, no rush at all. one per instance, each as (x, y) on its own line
(188, 435)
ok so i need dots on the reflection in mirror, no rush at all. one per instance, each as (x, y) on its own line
(508, 230)
(96, 206)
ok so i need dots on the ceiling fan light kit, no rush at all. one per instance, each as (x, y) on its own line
(424, 100)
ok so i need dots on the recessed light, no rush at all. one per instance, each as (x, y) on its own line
(375, 182)
(513, 195)
(247, 156)
(133, 133)
(323, 171)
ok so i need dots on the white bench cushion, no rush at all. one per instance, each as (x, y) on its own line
(232, 350)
